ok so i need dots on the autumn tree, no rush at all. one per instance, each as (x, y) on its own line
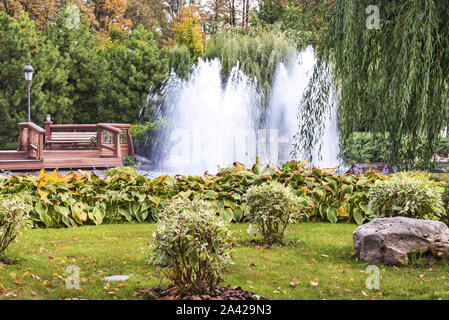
(173, 7)
(104, 14)
(187, 31)
(214, 12)
(149, 13)
(41, 12)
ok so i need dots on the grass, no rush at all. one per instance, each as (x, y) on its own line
(323, 251)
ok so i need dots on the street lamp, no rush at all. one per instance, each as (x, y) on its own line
(28, 77)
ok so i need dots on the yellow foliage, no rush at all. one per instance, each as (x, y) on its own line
(187, 31)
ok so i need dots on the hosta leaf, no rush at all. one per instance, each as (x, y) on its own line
(97, 215)
(227, 215)
(323, 211)
(124, 211)
(332, 215)
(62, 210)
(210, 195)
(69, 222)
(359, 216)
(346, 190)
(43, 215)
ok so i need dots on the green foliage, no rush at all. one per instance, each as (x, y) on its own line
(366, 147)
(79, 77)
(128, 161)
(187, 32)
(306, 21)
(118, 171)
(257, 52)
(144, 134)
(408, 196)
(133, 67)
(270, 11)
(84, 198)
(14, 220)
(124, 195)
(443, 148)
(20, 44)
(443, 180)
(179, 60)
(193, 244)
(391, 81)
(85, 68)
(272, 207)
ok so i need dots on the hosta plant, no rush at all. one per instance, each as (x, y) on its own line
(14, 220)
(118, 171)
(271, 208)
(407, 196)
(193, 245)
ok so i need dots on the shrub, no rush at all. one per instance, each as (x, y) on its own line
(128, 161)
(408, 196)
(14, 220)
(194, 244)
(272, 207)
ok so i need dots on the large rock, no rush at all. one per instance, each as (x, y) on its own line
(391, 240)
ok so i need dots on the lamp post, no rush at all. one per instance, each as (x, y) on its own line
(28, 77)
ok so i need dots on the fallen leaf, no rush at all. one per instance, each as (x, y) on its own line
(294, 284)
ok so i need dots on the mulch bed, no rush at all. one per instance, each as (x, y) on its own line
(221, 293)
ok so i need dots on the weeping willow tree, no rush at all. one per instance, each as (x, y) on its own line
(179, 60)
(391, 80)
(258, 52)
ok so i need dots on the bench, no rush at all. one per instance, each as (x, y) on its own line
(72, 137)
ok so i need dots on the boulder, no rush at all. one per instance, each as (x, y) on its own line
(391, 240)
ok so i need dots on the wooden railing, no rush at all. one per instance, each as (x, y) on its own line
(31, 139)
(115, 138)
(111, 136)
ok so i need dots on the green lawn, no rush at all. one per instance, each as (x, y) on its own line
(324, 251)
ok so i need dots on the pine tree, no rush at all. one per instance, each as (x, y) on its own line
(85, 67)
(134, 66)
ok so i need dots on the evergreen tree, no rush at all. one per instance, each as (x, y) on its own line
(134, 66)
(19, 45)
(86, 68)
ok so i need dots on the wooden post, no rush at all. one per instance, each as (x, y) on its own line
(41, 147)
(130, 144)
(100, 139)
(20, 147)
(117, 151)
(29, 141)
(48, 123)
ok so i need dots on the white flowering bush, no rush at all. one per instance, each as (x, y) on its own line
(406, 196)
(271, 208)
(14, 220)
(193, 244)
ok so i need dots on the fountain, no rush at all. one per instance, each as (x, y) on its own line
(212, 122)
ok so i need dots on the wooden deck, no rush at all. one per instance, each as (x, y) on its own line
(114, 142)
